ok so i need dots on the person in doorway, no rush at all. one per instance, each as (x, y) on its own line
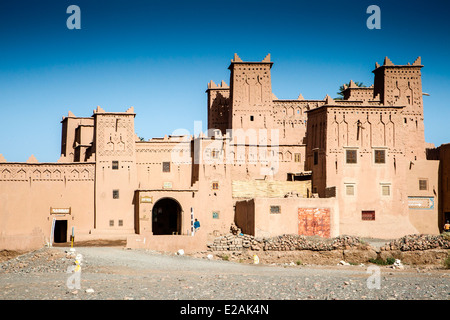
(447, 226)
(196, 225)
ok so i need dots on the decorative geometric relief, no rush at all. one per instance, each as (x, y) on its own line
(46, 174)
(255, 97)
(111, 133)
(366, 134)
(378, 135)
(390, 134)
(21, 174)
(288, 156)
(85, 174)
(6, 174)
(120, 145)
(36, 174)
(335, 133)
(74, 174)
(110, 145)
(57, 174)
(343, 132)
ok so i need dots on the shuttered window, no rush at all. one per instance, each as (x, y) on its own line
(350, 189)
(351, 156)
(275, 209)
(380, 156)
(166, 167)
(423, 184)
(368, 215)
(386, 190)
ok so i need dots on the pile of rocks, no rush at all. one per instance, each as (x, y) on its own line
(45, 260)
(231, 242)
(234, 229)
(418, 242)
(286, 242)
(347, 242)
(293, 242)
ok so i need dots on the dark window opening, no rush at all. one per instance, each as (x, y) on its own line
(275, 209)
(316, 157)
(368, 215)
(166, 167)
(115, 165)
(351, 156)
(423, 184)
(115, 194)
(380, 156)
(251, 118)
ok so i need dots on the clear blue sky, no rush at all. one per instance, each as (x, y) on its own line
(158, 56)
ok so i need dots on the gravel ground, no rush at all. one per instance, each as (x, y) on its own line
(120, 274)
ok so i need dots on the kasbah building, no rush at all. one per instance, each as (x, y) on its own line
(356, 166)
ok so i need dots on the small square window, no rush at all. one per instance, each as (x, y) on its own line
(215, 214)
(368, 215)
(297, 157)
(350, 156)
(120, 223)
(423, 184)
(111, 223)
(215, 186)
(215, 154)
(275, 209)
(115, 194)
(166, 166)
(385, 190)
(350, 189)
(115, 165)
(380, 156)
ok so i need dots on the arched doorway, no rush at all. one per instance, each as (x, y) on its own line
(166, 217)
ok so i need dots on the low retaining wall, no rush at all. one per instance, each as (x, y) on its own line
(24, 242)
(433, 257)
(417, 249)
(168, 243)
(332, 257)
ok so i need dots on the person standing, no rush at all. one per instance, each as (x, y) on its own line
(447, 226)
(196, 225)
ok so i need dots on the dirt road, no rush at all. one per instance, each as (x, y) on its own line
(117, 273)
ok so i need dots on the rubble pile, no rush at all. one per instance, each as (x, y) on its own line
(287, 242)
(46, 260)
(418, 242)
(231, 242)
